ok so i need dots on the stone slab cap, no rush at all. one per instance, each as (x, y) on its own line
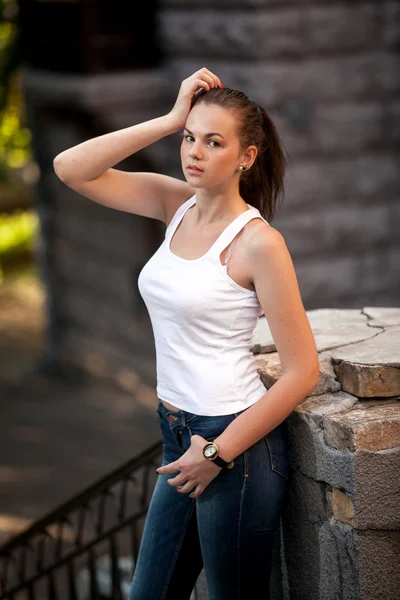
(356, 353)
(370, 425)
(382, 316)
(331, 327)
(316, 408)
(269, 368)
(370, 368)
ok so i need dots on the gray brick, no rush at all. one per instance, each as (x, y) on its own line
(393, 120)
(359, 179)
(389, 80)
(342, 26)
(272, 83)
(351, 279)
(227, 3)
(271, 33)
(376, 176)
(348, 126)
(325, 228)
(391, 15)
(328, 127)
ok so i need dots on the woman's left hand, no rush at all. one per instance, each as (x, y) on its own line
(195, 470)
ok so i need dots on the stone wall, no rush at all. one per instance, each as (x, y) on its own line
(341, 525)
(339, 535)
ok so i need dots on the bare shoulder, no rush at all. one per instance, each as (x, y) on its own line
(265, 248)
(258, 235)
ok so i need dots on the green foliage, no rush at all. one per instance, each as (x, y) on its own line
(18, 232)
(15, 138)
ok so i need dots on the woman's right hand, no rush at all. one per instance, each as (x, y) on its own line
(201, 81)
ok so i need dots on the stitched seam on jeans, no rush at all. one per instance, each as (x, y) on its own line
(274, 465)
(169, 574)
(239, 526)
(246, 464)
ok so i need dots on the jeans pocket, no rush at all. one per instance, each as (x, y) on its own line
(277, 442)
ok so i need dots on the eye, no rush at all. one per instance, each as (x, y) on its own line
(184, 137)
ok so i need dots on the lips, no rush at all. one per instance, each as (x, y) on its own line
(194, 168)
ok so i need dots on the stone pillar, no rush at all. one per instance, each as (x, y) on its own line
(341, 525)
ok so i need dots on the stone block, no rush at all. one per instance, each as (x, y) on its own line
(369, 425)
(317, 544)
(370, 368)
(377, 489)
(378, 559)
(315, 458)
(342, 507)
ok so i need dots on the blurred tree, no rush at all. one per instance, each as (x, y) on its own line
(15, 138)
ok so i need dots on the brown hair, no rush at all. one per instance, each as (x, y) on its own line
(262, 185)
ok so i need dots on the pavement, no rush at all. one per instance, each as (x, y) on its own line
(58, 435)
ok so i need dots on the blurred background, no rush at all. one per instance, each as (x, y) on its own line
(77, 360)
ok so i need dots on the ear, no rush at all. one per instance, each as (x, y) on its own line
(249, 156)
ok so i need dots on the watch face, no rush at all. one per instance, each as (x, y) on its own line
(210, 451)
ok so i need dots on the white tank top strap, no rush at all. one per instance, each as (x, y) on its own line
(173, 224)
(233, 229)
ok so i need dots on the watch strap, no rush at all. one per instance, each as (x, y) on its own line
(222, 463)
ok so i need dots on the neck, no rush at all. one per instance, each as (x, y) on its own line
(216, 209)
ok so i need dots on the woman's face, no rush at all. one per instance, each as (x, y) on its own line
(217, 154)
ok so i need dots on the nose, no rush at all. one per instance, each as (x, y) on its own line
(195, 151)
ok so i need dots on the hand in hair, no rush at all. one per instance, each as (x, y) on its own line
(200, 82)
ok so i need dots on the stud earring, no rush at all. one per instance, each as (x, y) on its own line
(242, 168)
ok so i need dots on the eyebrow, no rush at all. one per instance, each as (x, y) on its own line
(207, 134)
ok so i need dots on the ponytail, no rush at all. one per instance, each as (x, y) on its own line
(262, 185)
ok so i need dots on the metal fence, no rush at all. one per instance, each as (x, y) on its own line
(85, 549)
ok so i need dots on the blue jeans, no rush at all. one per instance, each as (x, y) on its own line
(229, 529)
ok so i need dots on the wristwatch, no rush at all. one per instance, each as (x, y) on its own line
(211, 452)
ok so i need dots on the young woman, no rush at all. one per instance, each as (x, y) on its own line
(225, 469)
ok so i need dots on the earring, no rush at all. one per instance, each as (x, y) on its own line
(242, 168)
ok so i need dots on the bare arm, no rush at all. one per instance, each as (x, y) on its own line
(279, 294)
(88, 167)
(92, 158)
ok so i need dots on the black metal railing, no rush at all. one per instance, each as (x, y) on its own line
(86, 549)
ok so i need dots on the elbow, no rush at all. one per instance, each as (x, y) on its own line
(60, 168)
(314, 377)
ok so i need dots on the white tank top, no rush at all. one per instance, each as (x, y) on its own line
(203, 323)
